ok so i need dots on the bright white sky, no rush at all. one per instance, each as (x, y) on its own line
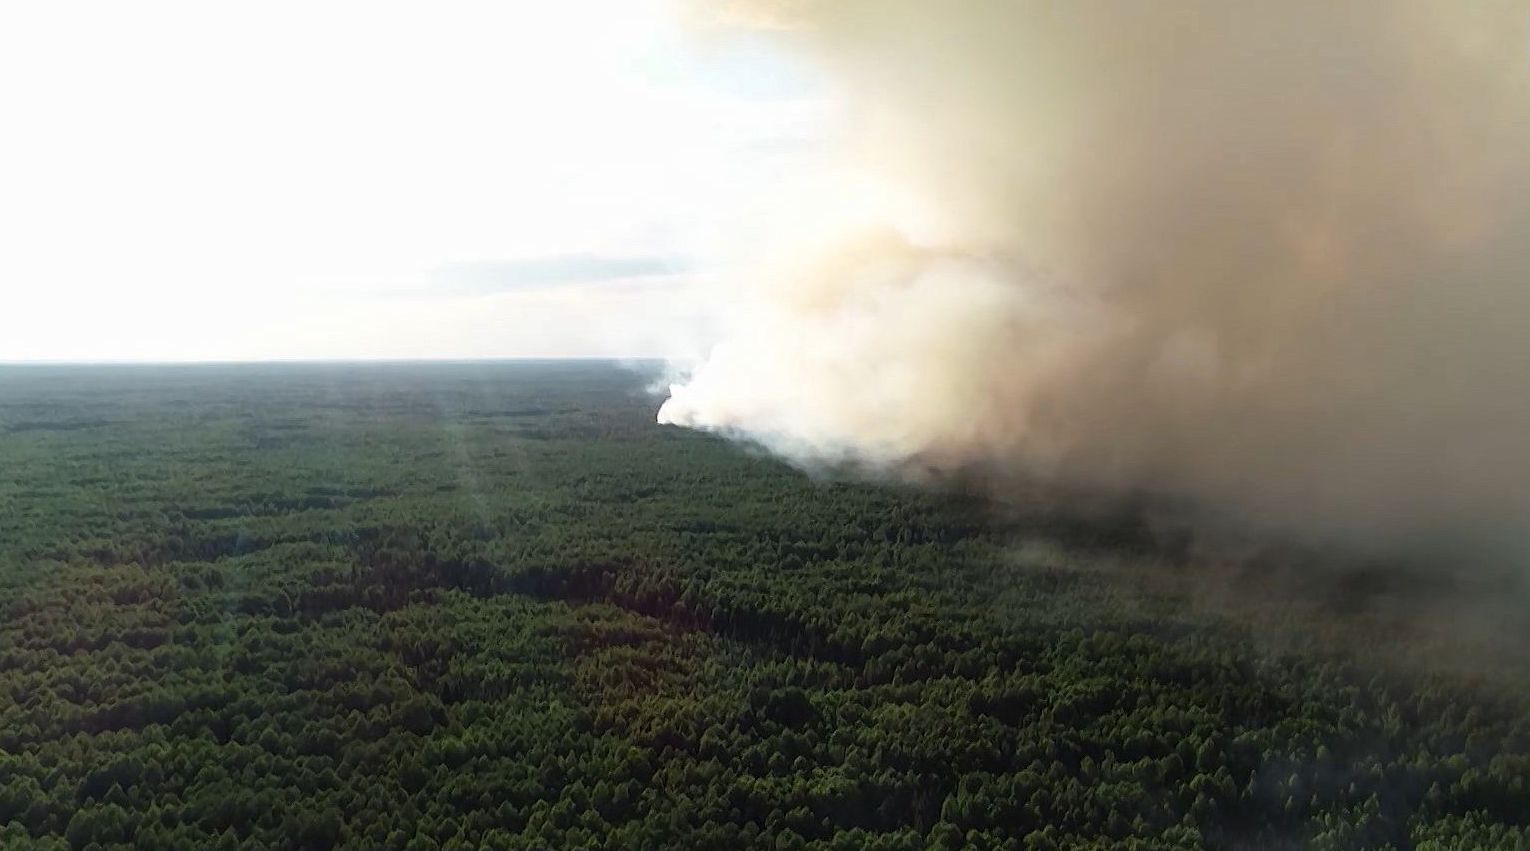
(195, 180)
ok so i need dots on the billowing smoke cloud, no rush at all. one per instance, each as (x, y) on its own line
(1271, 256)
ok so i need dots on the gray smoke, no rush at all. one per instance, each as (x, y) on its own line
(1271, 256)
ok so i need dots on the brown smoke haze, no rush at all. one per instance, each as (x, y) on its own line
(1271, 257)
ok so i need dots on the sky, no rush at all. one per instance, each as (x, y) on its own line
(184, 181)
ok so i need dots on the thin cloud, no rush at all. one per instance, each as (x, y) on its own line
(548, 272)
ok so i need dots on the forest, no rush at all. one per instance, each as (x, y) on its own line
(495, 605)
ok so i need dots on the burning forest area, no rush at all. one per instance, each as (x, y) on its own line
(805, 425)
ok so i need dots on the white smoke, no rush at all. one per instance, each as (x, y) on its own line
(1272, 256)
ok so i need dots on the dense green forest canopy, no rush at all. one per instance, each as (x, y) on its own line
(495, 606)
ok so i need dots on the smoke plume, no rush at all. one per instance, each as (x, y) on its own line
(1274, 257)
